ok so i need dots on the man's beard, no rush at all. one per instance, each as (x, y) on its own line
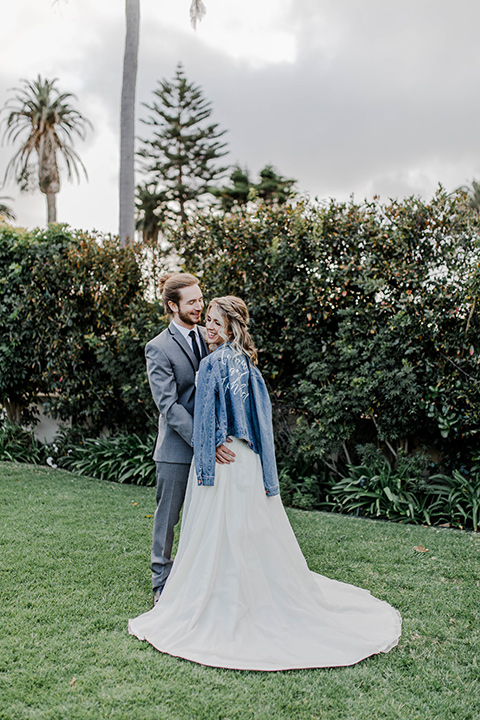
(187, 319)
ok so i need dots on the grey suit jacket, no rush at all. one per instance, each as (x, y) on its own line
(171, 369)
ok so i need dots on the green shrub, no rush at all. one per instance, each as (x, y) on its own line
(73, 324)
(388, 494)
(366, 317)
(122, 459)
(20, 445)
(461, 498)
(405, 490)
(302, 488)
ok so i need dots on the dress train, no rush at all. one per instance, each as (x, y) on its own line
(240, 594)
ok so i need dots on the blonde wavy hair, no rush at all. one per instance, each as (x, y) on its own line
(234, 314)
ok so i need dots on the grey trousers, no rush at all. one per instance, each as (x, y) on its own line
(171, 485)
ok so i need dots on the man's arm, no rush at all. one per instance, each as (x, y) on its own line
(164, 390)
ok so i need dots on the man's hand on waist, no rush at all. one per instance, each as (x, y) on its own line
(223, 455)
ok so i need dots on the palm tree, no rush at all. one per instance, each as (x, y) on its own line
(127, 120)
(472, 192)
(151, 212)
(197, 11)
(127, 123)
(44, 121)
(5, 212)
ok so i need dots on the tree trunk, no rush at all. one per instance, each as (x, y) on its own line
(14, 411)
(127, 123)
(181, 202)
(51, 207)
(48, 176)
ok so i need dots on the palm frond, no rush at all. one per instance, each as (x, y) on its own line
(197, 12)
(39, 110)
(5, 212)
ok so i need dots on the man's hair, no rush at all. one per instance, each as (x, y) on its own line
(170, 286)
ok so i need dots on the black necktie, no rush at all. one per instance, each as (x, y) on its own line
(196, 349)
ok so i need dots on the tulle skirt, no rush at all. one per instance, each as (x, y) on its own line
(240, 594)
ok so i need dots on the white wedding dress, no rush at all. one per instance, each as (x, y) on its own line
(240, 594)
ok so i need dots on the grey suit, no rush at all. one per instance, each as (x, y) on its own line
(171, 369)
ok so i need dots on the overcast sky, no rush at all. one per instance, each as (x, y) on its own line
(347, 96)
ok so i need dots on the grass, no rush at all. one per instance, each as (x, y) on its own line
(74, 558)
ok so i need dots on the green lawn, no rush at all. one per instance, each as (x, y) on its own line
(74, 566)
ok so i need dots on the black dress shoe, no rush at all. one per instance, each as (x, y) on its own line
(156, 594)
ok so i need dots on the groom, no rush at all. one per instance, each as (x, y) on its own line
(173, 358)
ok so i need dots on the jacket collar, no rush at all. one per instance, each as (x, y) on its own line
(184, 344)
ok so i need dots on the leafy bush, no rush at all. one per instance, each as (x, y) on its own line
(73, 324)
(382, 492)
(20, 445)
(402, 491)
(461, 498)
(365, 315)
(303, 488)
(122, 459)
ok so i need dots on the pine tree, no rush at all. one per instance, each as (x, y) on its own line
(272, 189)
(237, 193)
(181, 157)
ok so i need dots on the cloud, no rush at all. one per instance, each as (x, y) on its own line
(370, 97)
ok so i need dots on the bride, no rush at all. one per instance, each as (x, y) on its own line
(240, 594)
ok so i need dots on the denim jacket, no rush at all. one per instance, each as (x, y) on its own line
(232, 399)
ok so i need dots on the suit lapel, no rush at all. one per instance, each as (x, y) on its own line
(183, 343)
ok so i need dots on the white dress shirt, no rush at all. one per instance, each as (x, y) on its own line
(185, 332)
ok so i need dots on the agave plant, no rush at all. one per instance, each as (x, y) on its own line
(461, 495)
(20, 445)
(384, 492)
(122, 459)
